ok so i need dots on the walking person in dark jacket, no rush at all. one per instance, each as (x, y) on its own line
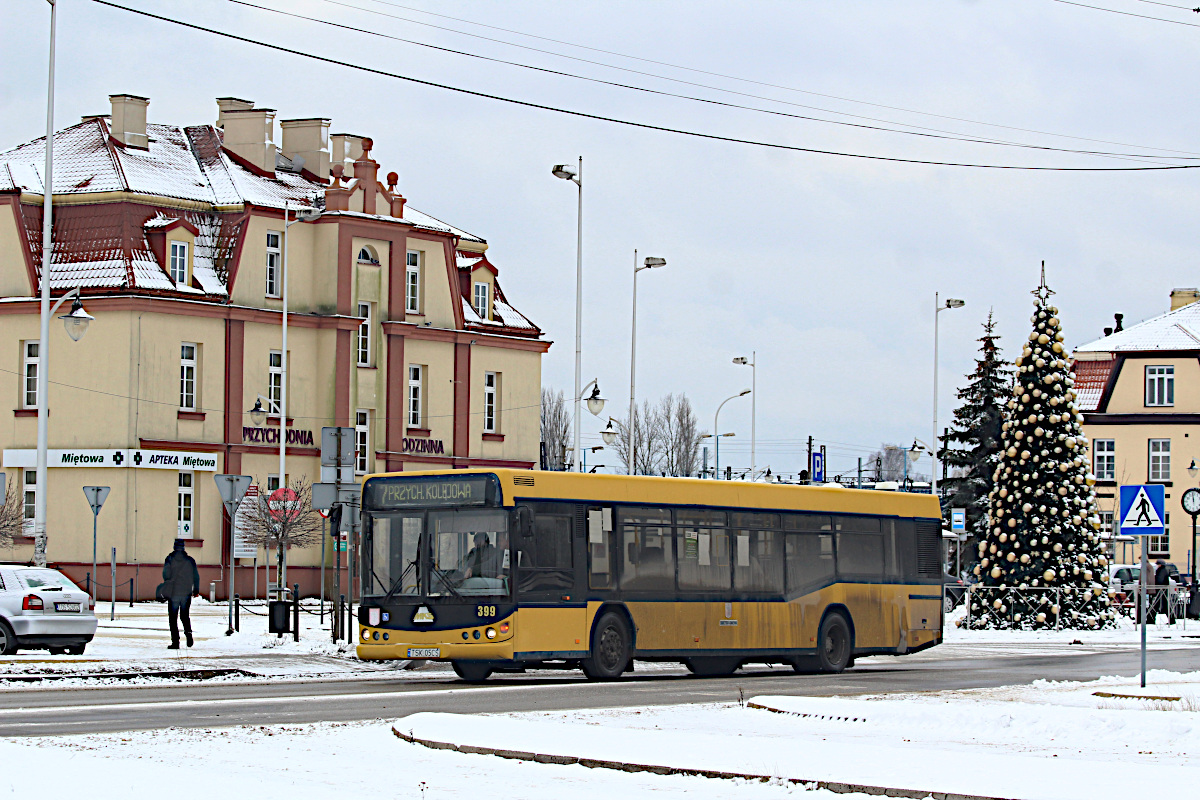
(181, 582)
(1162, 582)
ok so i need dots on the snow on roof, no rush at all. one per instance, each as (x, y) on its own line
(510, 316)
(467, 262)
(1175, 330)
(1090, 379)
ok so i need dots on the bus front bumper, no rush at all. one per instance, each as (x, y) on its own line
(442, 651)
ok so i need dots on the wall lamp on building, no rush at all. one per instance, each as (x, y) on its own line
(1193, 469)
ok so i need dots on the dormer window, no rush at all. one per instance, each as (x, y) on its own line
(366, 255)
(481, 300)
(179, 263)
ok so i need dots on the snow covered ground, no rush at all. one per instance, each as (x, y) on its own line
(1045, 741)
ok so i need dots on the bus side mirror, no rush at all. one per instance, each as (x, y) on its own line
(521, 521)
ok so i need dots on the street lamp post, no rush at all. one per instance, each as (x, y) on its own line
(938, 308)
(753, 363)
(576, 176)
(39, 502)
(717, 439)
(651, 263)
(717, 446)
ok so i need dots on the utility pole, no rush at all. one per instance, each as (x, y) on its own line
(810, 445)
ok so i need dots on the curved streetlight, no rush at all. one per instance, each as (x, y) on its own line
(565, 172)
(651, 262)
(717, 454)
(751, 362)
(609, 434)
(938, 308)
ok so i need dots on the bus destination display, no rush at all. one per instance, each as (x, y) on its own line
(426, 492)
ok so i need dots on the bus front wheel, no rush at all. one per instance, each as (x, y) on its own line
(610, 648)
(472, 671)
(835, 643)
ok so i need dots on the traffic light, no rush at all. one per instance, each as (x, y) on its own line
(335, 520)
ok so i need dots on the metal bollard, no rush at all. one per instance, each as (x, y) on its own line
(295, 612)
(237, 613)
(342, 634)
(131, 592)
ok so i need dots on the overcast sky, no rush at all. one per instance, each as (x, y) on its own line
(825, 265)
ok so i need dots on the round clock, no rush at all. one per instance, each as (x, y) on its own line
(1191, 501)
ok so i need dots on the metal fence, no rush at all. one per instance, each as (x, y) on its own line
(1021, 607)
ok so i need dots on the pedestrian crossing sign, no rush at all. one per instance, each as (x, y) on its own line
(1143, 510)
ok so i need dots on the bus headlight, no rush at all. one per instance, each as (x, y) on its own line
(504, 627)
(366, 634)
(491, 633)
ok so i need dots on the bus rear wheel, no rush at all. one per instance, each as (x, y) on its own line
(472, 671)
(835, 643)
(610, 648)
(712, 666)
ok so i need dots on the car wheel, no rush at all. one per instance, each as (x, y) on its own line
(76, 650)
(472, 671)
(57, 651)
(948, 603)
(712, 667)
(835, 643)
(610, 648)
(8, 640)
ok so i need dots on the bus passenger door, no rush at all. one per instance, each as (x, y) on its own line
(553, 610)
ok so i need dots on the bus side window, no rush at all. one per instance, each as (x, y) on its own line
(599, 533)
(906, 548)
(545, 561)
(808, 552)
(647, 549)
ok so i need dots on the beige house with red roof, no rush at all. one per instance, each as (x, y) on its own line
(1139, 391)
(397, 327)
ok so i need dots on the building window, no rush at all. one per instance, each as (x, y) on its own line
(187, 376)
(1160, 545)
(481, 300)
(274, 263)
(367, 256)
(1160, 386)
(185, 505)
(1106, 524)
(362, 440)
(275, 382)
(1160, 459)
(412, 283)
(30, 481)
(30, 395)
(414, 395)
(1106, 459)
(491, 382)
(364, 335)
(179, 262)
(273, 483)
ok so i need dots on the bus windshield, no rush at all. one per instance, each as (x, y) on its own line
(443, 553)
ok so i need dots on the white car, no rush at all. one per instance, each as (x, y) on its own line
(41, 609)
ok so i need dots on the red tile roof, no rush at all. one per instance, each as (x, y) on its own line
(1090, 379)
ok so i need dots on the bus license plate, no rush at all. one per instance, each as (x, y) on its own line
(67, 607)
(424, 652)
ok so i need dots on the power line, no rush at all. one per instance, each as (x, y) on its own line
(946, 135)
(631, 123)
(1127, 13)
(1169, 5)
(731, 77)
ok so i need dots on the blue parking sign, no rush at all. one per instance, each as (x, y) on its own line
(818, 471)
(1143, 509)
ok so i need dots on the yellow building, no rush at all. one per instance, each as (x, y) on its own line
(1139, 391)
(397, 327)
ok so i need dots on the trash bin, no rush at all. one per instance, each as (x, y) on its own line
(280, 619)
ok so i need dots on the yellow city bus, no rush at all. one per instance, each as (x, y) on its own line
(505, 570)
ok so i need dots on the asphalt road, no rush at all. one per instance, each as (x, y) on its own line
(62, 710)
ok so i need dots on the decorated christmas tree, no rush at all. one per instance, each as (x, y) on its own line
(1041, 563)
(976, 434)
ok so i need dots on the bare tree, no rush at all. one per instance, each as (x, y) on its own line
(681, 436)
(12, 515)
(299, 526)
(888, 463)
(556, 428)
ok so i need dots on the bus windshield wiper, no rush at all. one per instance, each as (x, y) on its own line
(445, 582)
(399, 582)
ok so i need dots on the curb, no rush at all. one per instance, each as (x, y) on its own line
(624, 766)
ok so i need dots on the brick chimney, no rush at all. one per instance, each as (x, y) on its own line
(1183, 297)
(227, 104)
(347, 147)
(250, 134)
(129, 120)
(308, 139)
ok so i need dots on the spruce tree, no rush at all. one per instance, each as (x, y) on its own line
(976, 431)
(1043, 527)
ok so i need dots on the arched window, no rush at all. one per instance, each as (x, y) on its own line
(367, 255)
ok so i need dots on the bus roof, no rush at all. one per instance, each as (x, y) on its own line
(647, 490)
